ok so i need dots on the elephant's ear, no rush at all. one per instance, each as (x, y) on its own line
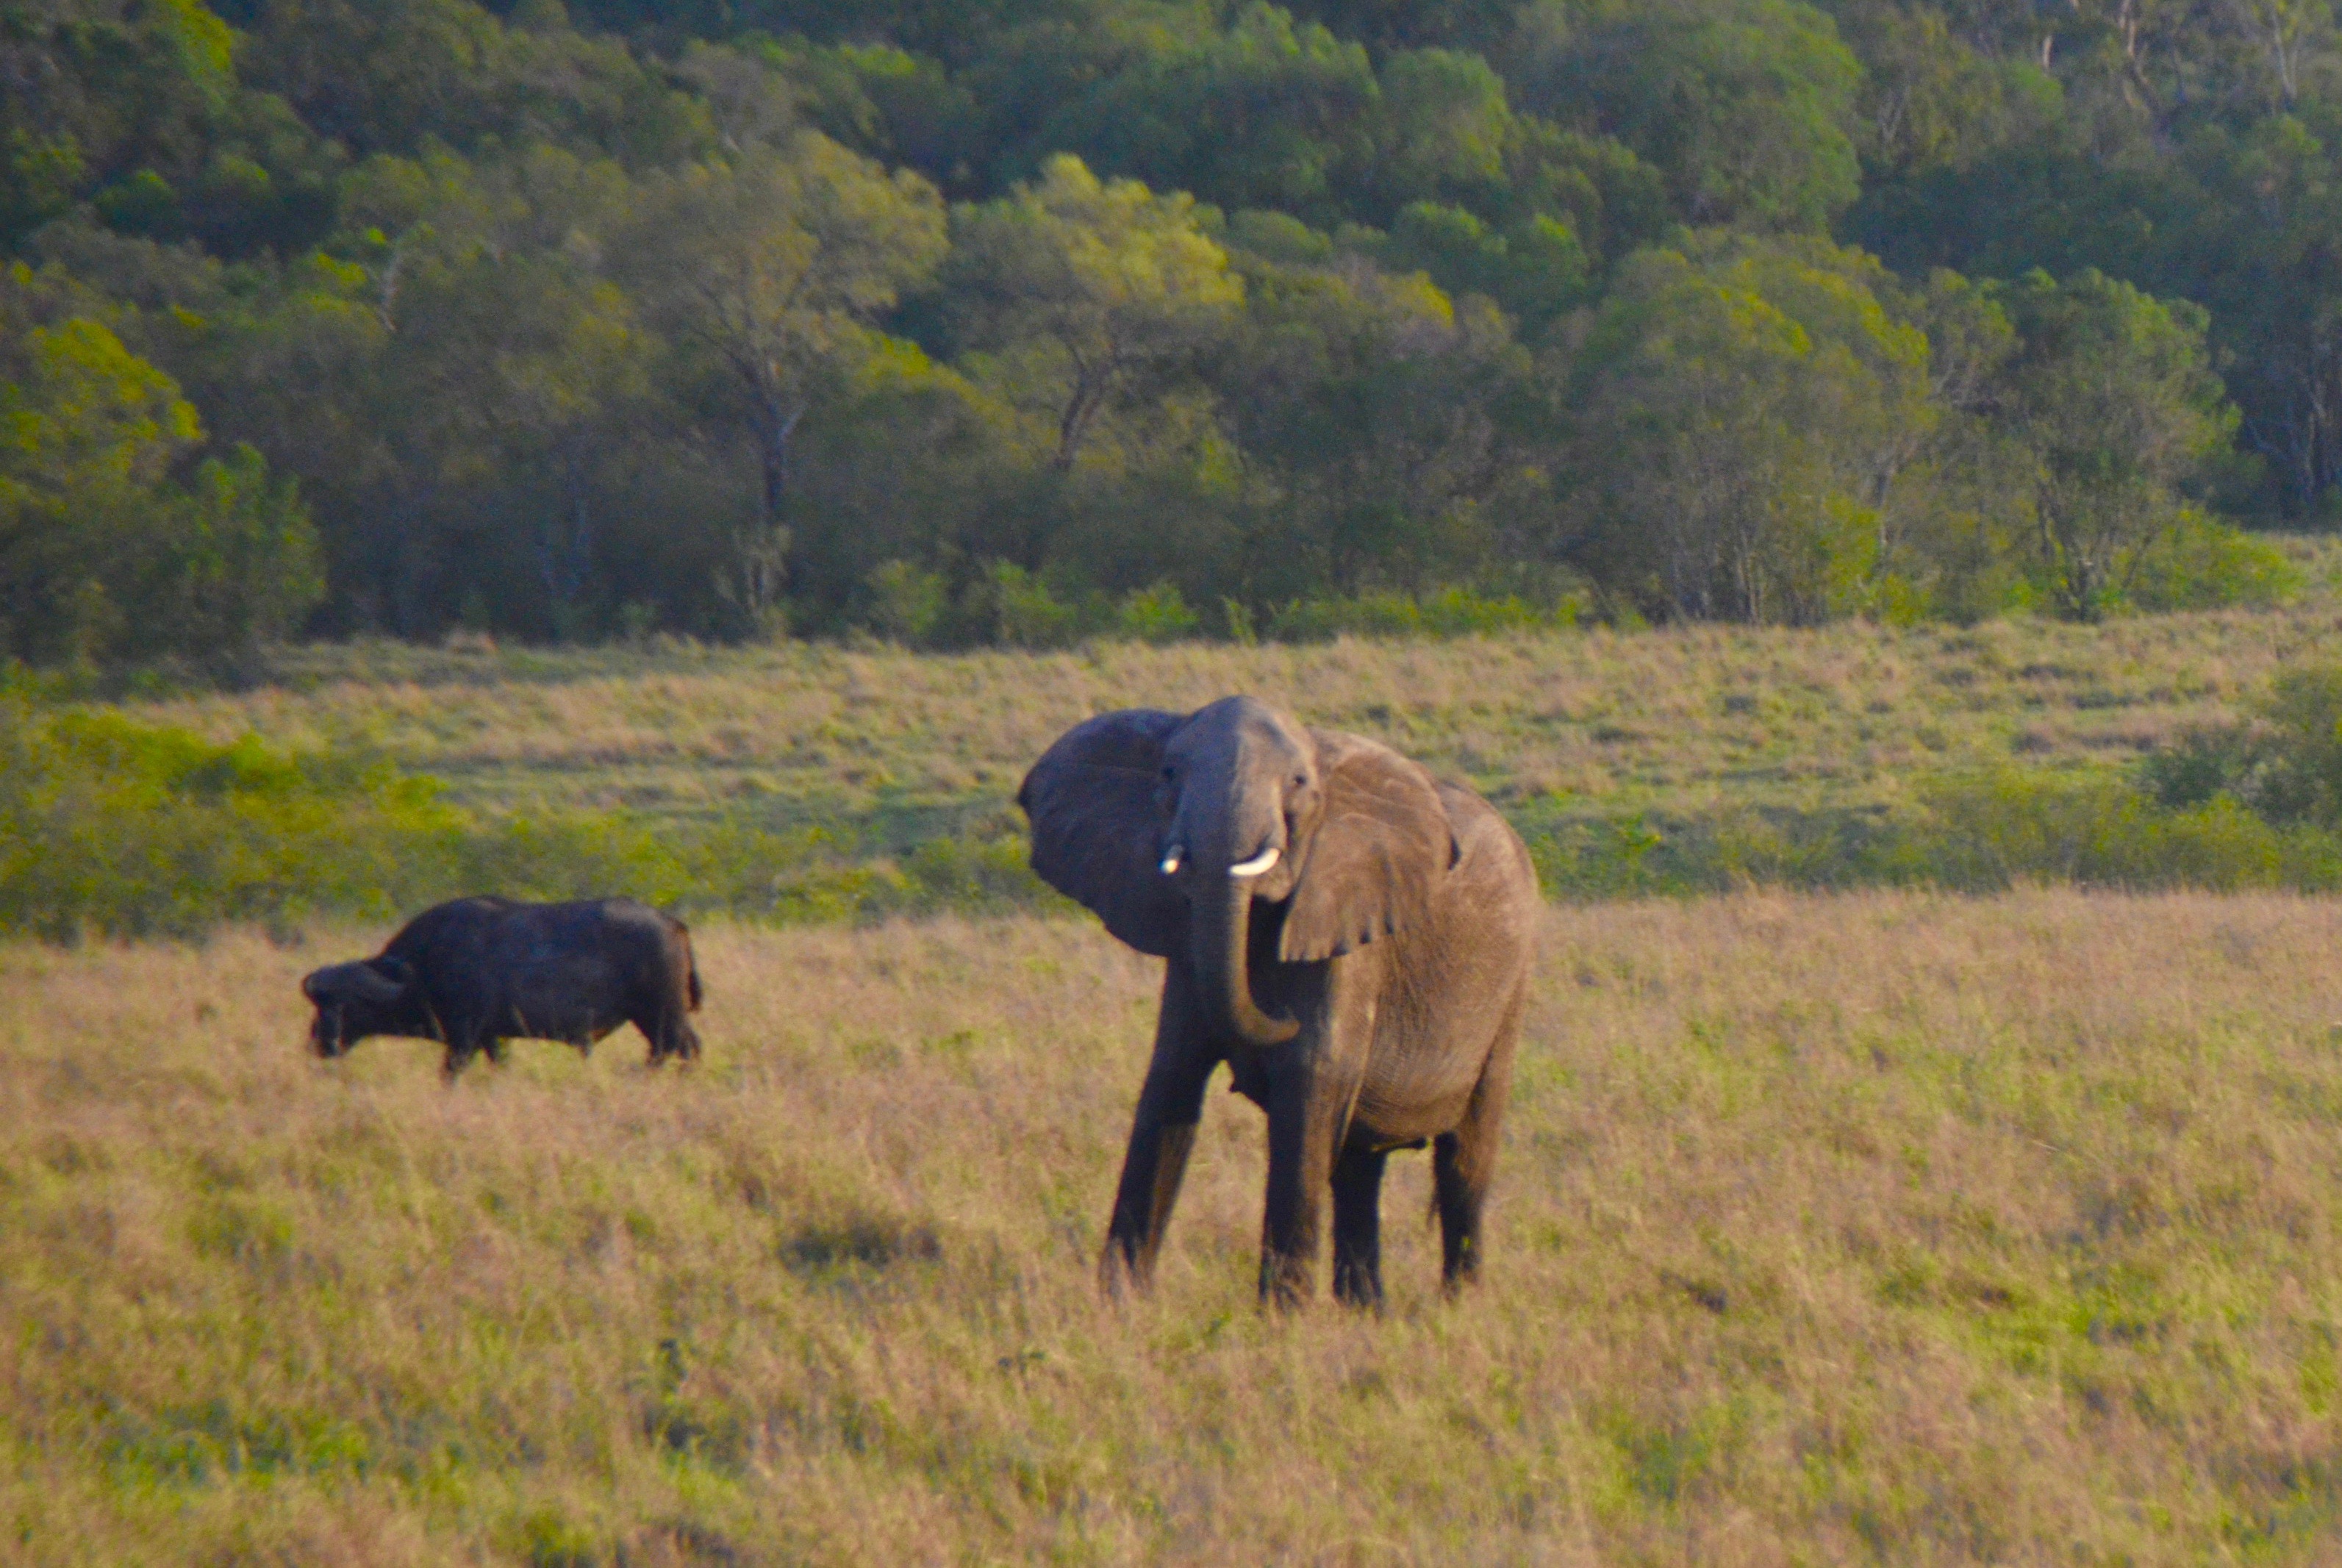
(1379, 855)
(1097, 834)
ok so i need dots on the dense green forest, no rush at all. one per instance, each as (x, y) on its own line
(1023, 320)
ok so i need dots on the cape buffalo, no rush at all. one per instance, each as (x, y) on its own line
(476, 972)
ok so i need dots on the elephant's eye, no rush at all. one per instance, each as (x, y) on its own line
(1170, 775)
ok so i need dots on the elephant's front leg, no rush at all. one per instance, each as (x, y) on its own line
(1162, 1132)
(1310, 1095)
(1301, 1140)
(1313, 1084)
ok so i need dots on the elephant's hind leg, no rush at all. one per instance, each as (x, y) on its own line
(1463, 1162)
(1459, 1189)
(1358, 1227)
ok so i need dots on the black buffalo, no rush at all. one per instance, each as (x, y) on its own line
(476, 972)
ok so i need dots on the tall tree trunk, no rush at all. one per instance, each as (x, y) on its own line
(768, 558)
(1091, 383)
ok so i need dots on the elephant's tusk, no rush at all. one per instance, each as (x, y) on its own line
(1256, 864)
(1171, 861)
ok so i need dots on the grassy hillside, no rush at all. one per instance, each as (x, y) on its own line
(1678, 721)
(1878, 1228)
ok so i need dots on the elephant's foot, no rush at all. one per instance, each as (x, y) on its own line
(1462, 1265)
(1120, 1275)
(1285, 1282)
(1357, 1285)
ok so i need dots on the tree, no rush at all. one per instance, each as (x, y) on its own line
(403, 77)
(501, 368)
(1744, 408)
(138, 110)
(1536, 272)
(2113, 395)
(773, 263)
(1374, 416)
(1442, 132)
(1746, 104)
(1116, 284)
(104, 554)
(1929, 99)
(1264, 114)
(2251, 237)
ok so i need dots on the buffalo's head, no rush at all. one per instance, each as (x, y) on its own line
(371, 996)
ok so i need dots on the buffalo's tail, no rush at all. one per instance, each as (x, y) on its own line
(692, 969)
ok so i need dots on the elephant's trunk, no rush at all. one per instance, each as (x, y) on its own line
(1221, 935)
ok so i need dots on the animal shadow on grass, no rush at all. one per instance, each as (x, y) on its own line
(678, 1544)
(858, 1249)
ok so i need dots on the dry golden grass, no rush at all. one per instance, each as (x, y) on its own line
(1880, 1228)
(1681, 719)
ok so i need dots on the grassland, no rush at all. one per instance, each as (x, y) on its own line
(1678, 721)
(833, 783)
(1877, 1228)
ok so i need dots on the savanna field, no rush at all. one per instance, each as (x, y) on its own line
(1871, 1226)
(1883, 1227)
(1856, 485)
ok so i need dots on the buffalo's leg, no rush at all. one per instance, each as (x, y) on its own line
(1463, 1162)
(669, 1031)
(462, 1048)
(1162, 1132)
(1358, 1227)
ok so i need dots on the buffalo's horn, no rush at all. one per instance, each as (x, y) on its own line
(361, 979)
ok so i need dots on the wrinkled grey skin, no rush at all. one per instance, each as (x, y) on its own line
(1365, 989)
(476, 972)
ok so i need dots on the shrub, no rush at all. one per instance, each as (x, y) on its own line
(1157, 614)
(109, 827)
(1450, 612)
(2284, 761)
(907, 603)
(1975, 836)
(2300, 773)
(117, 828)
(1988, 834)
(2202, 564)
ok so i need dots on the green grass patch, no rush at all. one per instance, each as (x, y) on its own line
(111, 827)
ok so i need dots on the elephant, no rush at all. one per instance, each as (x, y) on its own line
(1352, 936)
